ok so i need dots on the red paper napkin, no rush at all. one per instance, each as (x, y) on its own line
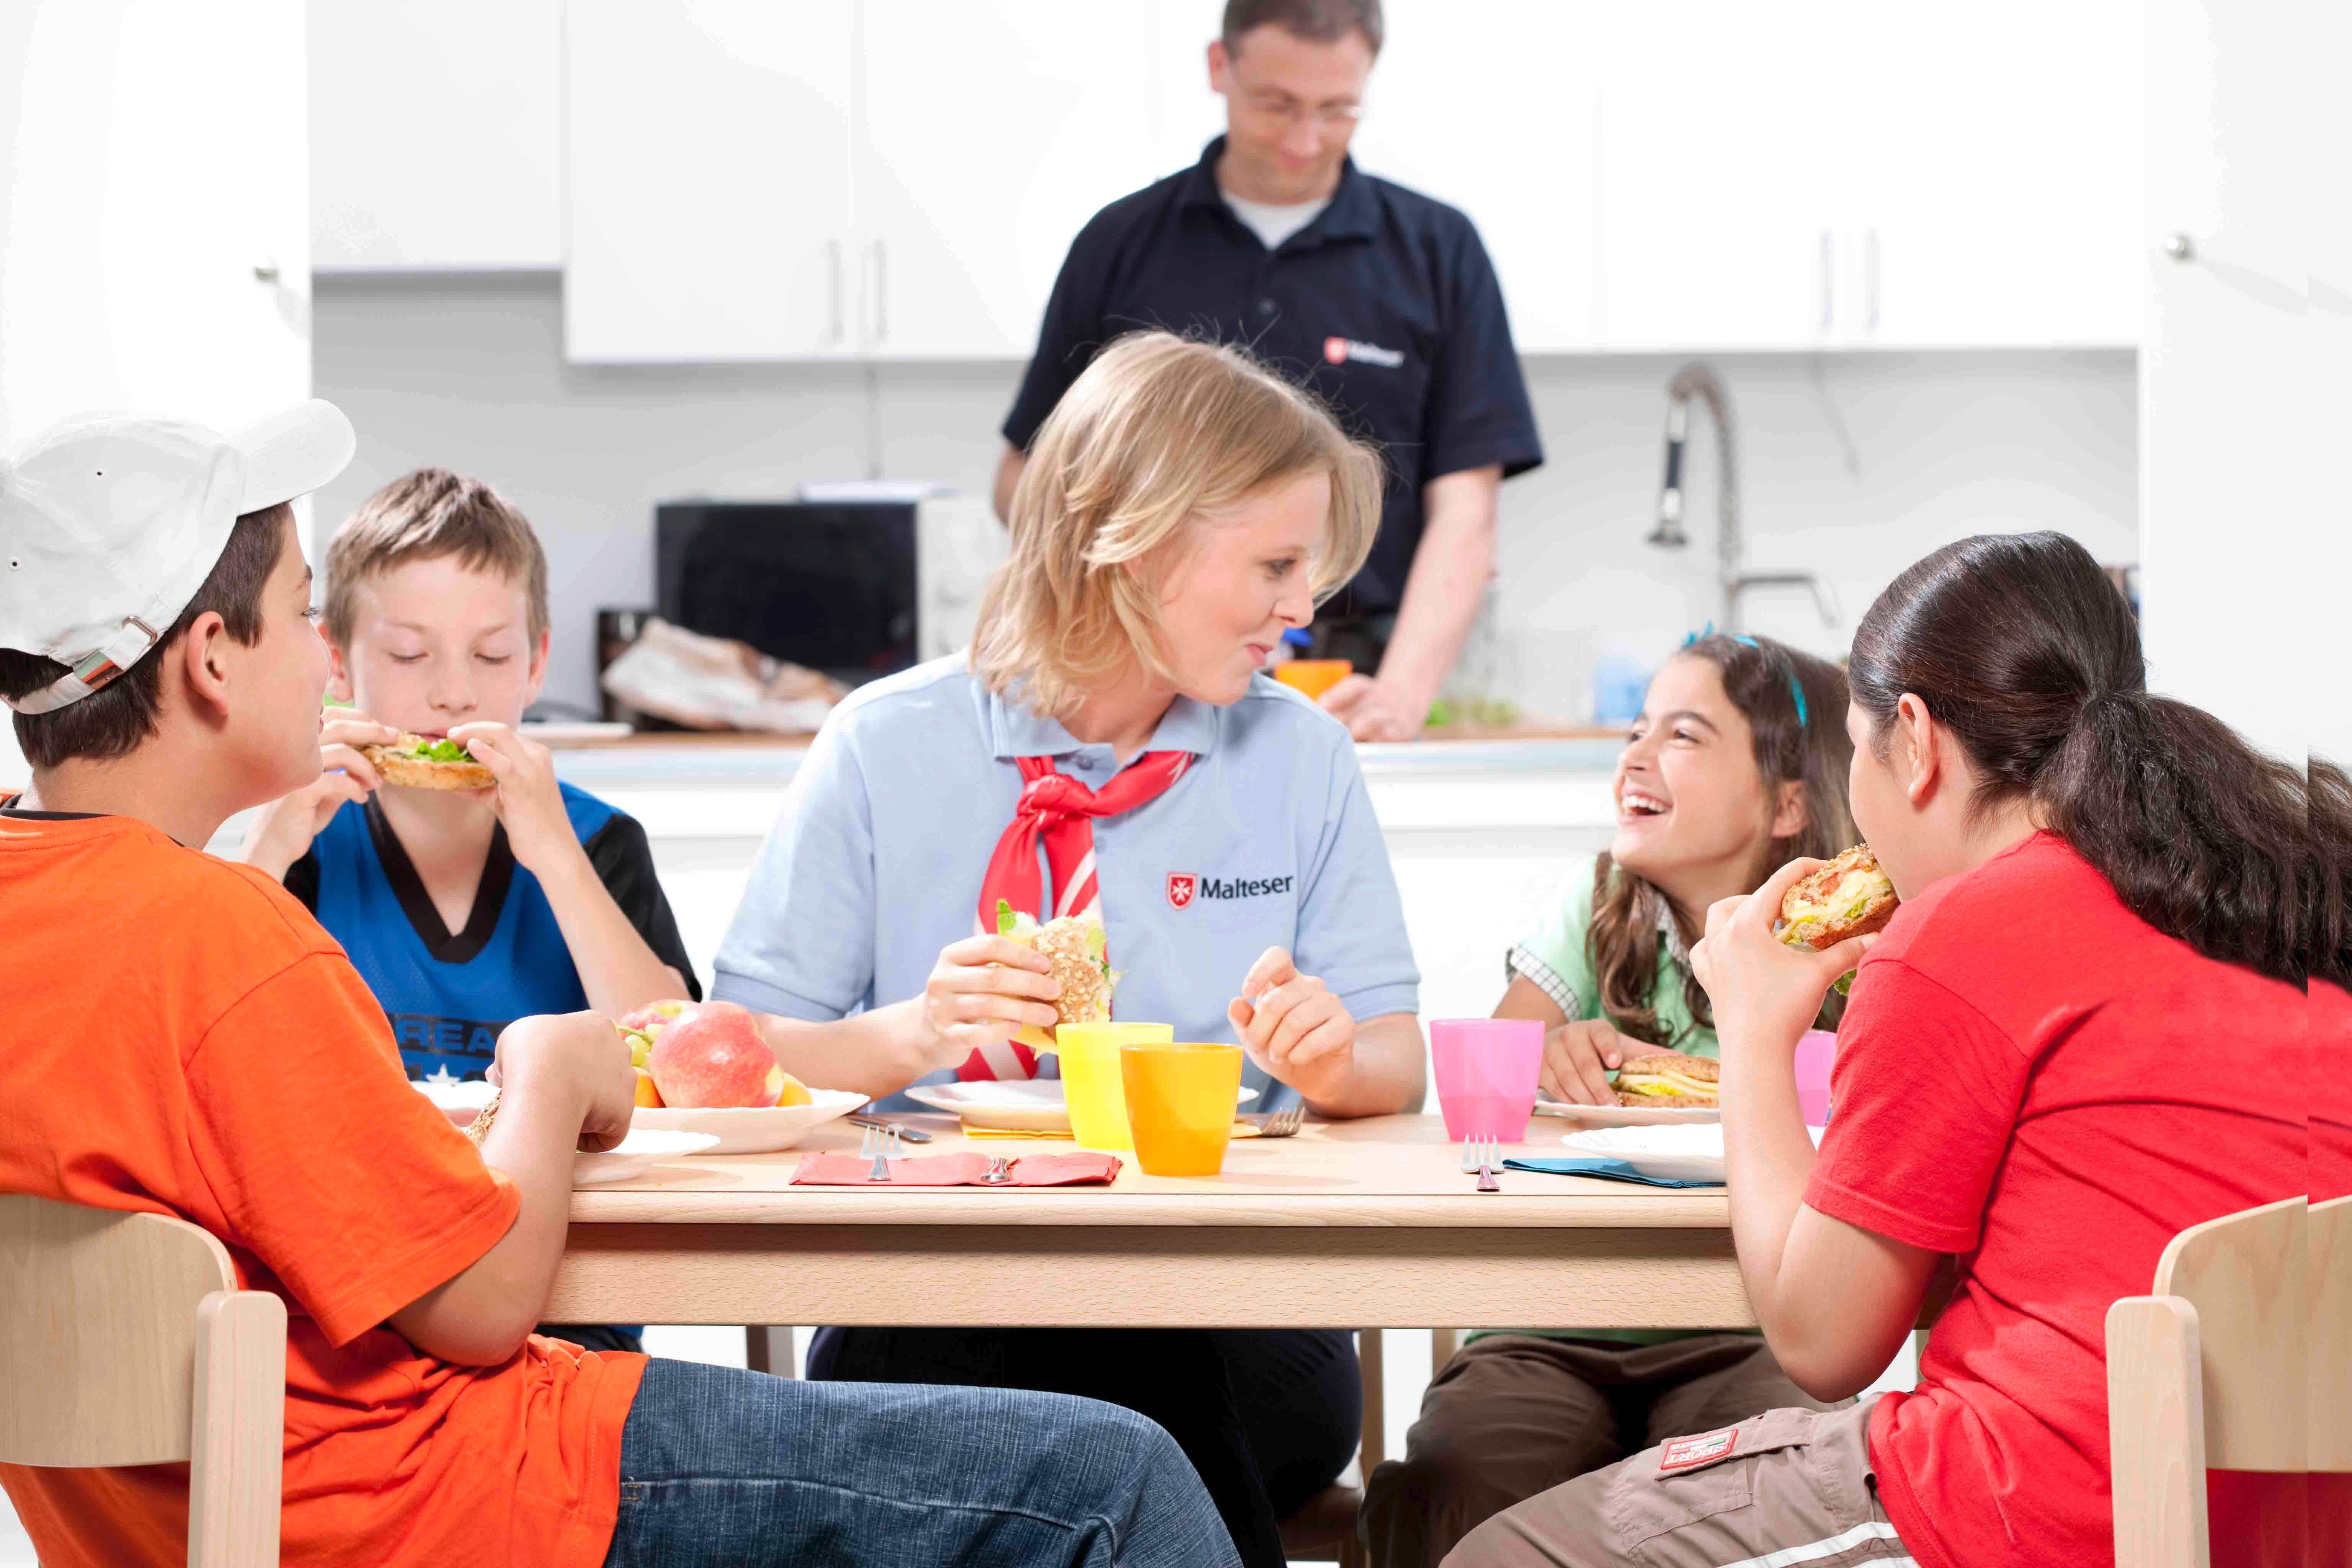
(956, 1171)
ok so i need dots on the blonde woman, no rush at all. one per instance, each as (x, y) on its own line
(1110, 743)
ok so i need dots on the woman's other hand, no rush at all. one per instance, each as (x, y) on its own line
(1293, 1027)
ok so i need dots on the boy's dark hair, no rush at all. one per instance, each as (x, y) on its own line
(1320, 21)
(423, 516)
(118, 717)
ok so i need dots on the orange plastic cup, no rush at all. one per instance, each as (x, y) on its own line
(1179, 1105)
(1092, 1081)
(1314, 676)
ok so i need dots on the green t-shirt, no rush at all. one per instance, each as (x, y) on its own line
(1553, 956)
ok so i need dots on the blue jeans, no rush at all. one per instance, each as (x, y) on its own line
(726, 1468)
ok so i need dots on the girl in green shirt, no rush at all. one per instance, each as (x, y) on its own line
(1736, 766)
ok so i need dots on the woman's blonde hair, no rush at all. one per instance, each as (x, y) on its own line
(1158, 431)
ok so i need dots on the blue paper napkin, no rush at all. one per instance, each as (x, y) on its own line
(1607, 1170)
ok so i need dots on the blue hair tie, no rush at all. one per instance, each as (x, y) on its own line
(1796, 687)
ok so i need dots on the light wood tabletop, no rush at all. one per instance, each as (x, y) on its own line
(1368, 1224)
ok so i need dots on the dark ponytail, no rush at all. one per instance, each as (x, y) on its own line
(2021, 646)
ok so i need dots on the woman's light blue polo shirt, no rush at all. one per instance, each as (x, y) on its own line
(1267, 840)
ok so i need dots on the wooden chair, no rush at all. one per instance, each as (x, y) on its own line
(2250, 1314)
(125, 1340)
(1325, 1529)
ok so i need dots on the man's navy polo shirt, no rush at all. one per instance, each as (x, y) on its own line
(1386, 305)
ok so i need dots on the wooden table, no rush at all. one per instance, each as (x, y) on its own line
(1366, 1224)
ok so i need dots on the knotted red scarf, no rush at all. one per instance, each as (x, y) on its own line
(1060, 811)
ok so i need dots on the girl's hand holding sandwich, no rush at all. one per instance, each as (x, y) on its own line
(1766, 993)
(282, 833)
(1578, 1058)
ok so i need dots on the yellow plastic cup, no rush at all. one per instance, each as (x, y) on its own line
(1179, 1105)
(1313, 676)
(1090, 1077)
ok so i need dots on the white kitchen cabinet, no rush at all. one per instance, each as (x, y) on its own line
(435, 135)
(1827, 173)
(2229, 376)
(1520, 157)
(708, 181)
(988, 133)
(154, 232)
(1722, 161)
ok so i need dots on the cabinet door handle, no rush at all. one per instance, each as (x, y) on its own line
(840, 319)
(881, 292)
(1871, 262)
(1828, 281)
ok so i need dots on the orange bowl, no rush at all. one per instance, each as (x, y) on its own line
(1314, 677)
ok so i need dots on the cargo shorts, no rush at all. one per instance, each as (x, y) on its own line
(1788, 1486)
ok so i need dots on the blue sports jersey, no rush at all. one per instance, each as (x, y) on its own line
(449, 995)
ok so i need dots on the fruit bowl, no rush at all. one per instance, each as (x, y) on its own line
(752, 1130)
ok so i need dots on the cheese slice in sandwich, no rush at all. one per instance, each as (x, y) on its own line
(1848, 897)
(1668, 1078)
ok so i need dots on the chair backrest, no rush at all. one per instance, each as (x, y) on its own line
(2328, 1346)
(2244, 1275)
(124, 1340)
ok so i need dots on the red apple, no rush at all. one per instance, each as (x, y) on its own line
(711, 1056)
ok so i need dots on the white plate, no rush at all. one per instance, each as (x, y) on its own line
(752, 1130)
(1628, 1115)
(1682, 1153)
(1033, 1105)
(461, 1100)
(637, 1153)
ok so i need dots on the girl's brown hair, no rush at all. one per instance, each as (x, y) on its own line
(2021, 646)
(1804, 743)
(1159, 431)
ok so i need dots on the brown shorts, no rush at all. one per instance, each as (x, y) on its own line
(1786, 1487)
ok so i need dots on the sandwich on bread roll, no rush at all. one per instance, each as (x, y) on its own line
(1848, 897)
(420, 763)
(1666, 1080)
(1074, 945)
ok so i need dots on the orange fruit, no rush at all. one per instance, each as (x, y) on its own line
(790, 1091)
(646, 1093)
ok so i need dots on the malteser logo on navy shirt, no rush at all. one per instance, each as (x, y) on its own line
(1339, 351)
(1184, 889)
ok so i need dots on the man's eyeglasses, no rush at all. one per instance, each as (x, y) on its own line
(1282, 110)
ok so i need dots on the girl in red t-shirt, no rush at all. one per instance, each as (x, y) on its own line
(2103, 891)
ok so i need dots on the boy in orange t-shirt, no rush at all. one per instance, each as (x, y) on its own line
(182, 1037)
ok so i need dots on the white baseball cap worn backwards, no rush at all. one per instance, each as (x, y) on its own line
(110, 523)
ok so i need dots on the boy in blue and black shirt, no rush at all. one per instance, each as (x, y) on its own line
(462, 908)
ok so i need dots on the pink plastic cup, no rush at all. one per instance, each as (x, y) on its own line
(1815, 1050)
(1486, 1070)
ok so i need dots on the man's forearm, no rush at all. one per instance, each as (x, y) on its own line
(1447, 585)
(1008, 478)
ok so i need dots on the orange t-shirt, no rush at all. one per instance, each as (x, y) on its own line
(180, 1037)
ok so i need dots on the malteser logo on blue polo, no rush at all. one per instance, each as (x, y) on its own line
(1184, 887)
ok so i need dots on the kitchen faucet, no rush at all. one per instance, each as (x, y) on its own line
(1696, 380)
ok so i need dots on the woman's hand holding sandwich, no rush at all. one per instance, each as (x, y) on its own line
(982, 991)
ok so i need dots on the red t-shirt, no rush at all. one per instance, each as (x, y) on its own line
(2033, 1078)
(180, 1037)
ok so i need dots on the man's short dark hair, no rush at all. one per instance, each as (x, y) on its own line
(118, 717)
(1319, 21)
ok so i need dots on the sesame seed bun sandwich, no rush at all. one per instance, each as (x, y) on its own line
(1668, 1080)
(1074, 945)
(417, 763)
(1848, 897)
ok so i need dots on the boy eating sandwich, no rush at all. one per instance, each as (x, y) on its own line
(183, 1039)
(469, 886)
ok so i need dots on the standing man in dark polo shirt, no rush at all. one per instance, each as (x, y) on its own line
(1380, 298)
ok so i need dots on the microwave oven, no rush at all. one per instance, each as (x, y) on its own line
(855, 589)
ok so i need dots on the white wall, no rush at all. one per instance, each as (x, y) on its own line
(468, 372)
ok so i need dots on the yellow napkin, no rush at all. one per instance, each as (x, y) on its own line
(972, 1131)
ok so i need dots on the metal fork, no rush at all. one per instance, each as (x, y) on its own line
(880, 1144)
(1483, 1155)
(1000, 1171)
(1279, 1124)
